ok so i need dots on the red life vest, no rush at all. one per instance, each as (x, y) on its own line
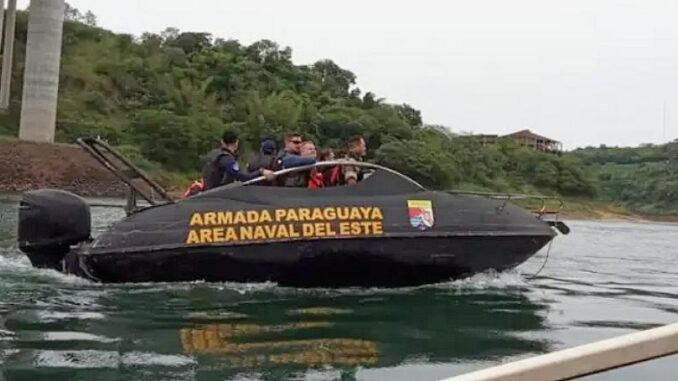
(335, 176)
(195, 188)
(316, 180)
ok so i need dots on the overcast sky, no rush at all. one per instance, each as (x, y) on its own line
(584, 72)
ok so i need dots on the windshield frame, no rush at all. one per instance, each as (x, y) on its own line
(320, 164)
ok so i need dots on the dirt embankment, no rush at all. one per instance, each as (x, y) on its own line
(609, 211)
(26, 166)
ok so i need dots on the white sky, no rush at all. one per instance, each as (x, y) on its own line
(584, 72)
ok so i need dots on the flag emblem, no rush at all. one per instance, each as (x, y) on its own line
(421, 214)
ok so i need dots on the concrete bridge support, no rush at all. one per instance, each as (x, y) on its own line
(8, 56)
(2, 18)
(41, 76)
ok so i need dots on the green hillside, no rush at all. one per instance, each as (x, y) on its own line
(169, 95)
(165, 98)
(645, 179)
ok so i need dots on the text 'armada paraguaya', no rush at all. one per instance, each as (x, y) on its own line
(262, 225)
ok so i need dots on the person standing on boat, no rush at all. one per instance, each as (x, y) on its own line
(313, 178)
(327, 154)
(290, 156)
(308, 149)
(357, 149)
(221, 165)
(265, 158)
(300, 178)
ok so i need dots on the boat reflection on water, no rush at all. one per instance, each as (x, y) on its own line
(221, 339)
(426, 325)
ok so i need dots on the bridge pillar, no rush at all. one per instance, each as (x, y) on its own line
(41, 75)
(8, 56)
(2, 18)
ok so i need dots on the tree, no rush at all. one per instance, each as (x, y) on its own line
(268, 53)
(189, 42)
(168, 96)
(333, 78)
(371, 101)
(416, 159)
(170, 33)
(410, 114)
(71, 13)
(90, 19)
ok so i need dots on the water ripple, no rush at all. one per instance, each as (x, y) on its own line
(602, 280)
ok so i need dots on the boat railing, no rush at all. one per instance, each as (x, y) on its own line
(329, 164)
(546, 205)
(127, 172)
(122, 168)
(585, 360)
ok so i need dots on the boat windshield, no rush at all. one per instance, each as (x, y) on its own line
(367, 169)
(376, 180)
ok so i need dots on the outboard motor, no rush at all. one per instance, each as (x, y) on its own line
(50, 221)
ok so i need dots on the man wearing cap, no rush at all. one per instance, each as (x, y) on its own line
(221, 165)
(265, 158)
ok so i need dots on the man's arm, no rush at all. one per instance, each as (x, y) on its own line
(350, 174)
(292, 161)
(231, 167)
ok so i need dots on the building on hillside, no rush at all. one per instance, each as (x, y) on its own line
(537, 142)
(525, 137)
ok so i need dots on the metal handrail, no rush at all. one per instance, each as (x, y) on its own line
(507, 197)
(324, 164)
(92, 145)
(320, 164)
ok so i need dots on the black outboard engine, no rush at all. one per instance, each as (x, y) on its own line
(50, 221)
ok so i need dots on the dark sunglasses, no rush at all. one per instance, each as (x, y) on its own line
(295, 141)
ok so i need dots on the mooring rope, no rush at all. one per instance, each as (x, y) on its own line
(543, 265)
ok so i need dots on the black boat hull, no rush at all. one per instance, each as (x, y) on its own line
(383, 232)
(321, 263)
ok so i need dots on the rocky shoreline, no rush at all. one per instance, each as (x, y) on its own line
(27, 166)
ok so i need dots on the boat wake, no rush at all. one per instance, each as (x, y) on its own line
(15, 266)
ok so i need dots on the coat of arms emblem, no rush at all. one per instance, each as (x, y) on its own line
(421, 214)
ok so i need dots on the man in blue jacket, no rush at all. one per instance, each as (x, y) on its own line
(221, 165)
(290, 156)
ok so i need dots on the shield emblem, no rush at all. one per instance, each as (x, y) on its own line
(421, 214)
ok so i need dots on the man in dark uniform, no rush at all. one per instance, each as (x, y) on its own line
(265, 158)
(221, 165)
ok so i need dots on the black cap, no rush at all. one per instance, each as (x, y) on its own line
(229, 137)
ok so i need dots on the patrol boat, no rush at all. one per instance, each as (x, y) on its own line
(385, 231)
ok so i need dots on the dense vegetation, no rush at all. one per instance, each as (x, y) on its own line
(167, 97)
(645, 178)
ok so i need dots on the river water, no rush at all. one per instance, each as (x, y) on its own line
(603, 280)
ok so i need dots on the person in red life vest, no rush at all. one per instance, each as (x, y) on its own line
(335, 175)
(315, 177)
(348, 174)
(327, 154)
(195, 188)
